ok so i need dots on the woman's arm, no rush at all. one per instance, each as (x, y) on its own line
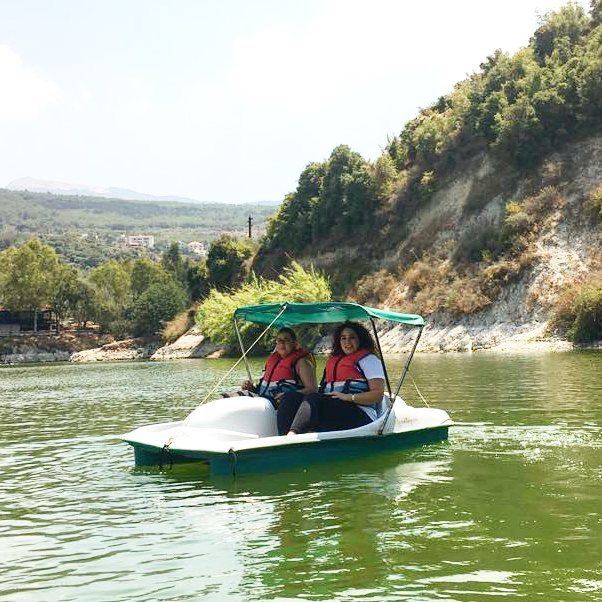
(374, 395)
(307, 374)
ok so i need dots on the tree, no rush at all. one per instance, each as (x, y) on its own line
(197, 280)
(225, 261)
(569, 23)
(83, 306)
(65, 292)
(112, 291)
(173, 262)
(145, 273)
(160, 302)
(27, 276)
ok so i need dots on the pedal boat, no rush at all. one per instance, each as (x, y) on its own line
(239, 434)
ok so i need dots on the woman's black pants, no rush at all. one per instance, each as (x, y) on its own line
(317, 412)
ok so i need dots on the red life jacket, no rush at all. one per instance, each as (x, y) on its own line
(346, 369)
(280, 369)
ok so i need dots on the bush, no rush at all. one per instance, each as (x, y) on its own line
(465, 297)
(587, 324)
(543, 202)
(593, 204)
(484, 235)
(295, 284)
(517, 221)
(579, 313)
(120, 329)
(426, 273)
(160, 302)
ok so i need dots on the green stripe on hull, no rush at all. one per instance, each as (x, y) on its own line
(302, 454)
(290, 455)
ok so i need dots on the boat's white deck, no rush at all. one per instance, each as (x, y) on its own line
(239, 423)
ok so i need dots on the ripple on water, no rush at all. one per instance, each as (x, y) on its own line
(509, 507)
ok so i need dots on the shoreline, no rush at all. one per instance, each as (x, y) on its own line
(200, 348)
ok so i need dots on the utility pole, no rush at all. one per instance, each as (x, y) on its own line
(250, 226)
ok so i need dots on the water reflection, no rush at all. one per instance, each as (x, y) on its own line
(324, 525)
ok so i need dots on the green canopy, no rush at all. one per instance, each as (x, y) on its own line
(320, 313)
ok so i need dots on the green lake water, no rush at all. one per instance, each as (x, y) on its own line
(508, 507)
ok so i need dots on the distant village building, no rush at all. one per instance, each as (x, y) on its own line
(145, 241)
(197, 247)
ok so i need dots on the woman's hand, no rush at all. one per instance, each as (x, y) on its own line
(373, 395)
(339, 395)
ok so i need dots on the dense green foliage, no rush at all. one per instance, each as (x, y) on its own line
(29, 276)
(331, 199)
(294, 284)
(86, 230)
(160, 302)
(123, 297)
(520, 107)
(226, 261)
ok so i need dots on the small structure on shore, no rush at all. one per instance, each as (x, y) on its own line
(14, 322)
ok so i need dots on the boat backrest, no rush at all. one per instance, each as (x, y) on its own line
(381, 408)
(252, 415)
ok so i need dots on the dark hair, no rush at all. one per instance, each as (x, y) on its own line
(365, 338)
(289, 331)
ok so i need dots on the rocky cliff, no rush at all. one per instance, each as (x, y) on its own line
(487, 258)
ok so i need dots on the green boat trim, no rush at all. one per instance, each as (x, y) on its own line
(320, 313)
(289, 455)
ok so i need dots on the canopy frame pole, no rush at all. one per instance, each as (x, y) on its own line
(242, 349)
(382, 359)
(223, 378)
(403, 376)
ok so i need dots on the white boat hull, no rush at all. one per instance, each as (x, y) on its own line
(239, 433)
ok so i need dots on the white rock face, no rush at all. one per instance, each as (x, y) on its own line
(190, 345)
(129, 349)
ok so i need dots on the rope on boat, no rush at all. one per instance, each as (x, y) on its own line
(418, 391)
(165, 452)
(242, 357)
(234, 459)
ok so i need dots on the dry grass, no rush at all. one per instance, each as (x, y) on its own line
(593, 204)
(374, 288)
(578, 310)
(178, 325)
(465, 296)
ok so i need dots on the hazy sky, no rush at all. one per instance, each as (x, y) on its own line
(227, 101)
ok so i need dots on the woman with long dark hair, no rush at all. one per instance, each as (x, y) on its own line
(352, 387)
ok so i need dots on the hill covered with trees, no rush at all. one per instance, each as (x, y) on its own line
(86, 230)
(485, 209)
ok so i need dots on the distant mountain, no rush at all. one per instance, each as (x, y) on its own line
(68, 188)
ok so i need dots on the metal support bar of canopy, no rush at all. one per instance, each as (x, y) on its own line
(244, 355)
(380, 351)
(242, 349)
(403, 376)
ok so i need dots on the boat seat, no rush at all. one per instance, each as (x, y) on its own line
(253, 416)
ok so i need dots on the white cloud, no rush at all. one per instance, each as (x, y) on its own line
(25, 94)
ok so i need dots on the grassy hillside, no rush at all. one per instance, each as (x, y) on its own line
(87, 229)
(519, 109)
